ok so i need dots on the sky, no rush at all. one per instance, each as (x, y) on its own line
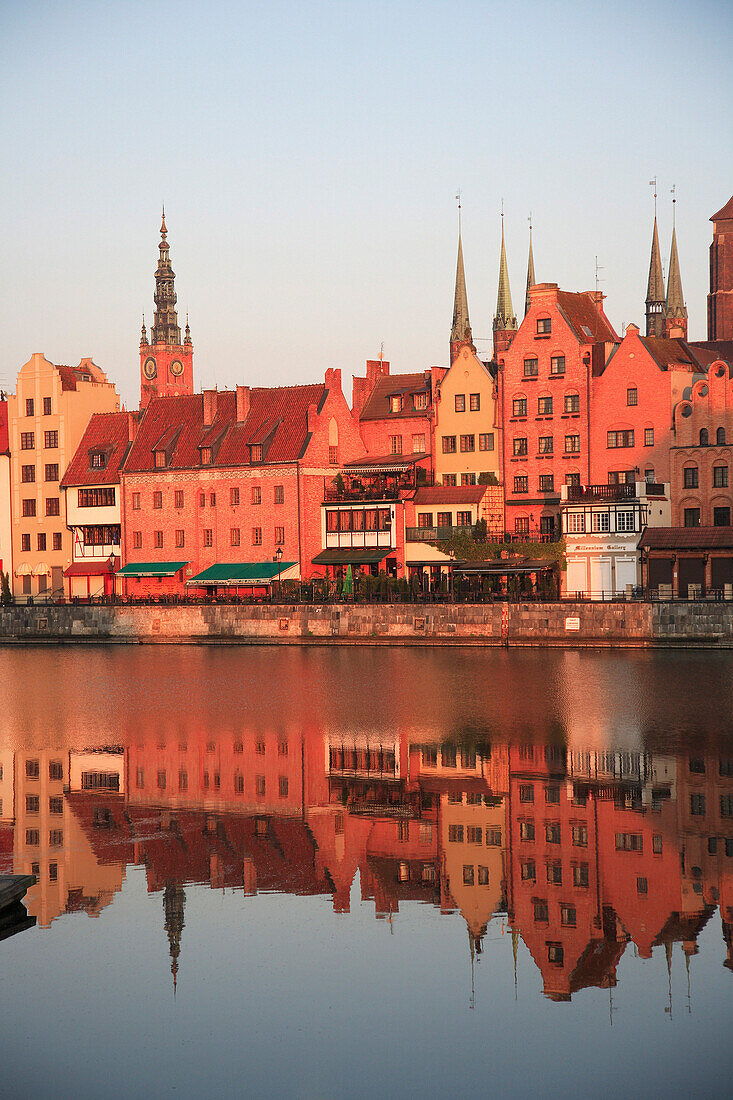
(309, 156)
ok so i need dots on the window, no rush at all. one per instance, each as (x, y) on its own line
(720, 436)
(620, 439)
(726, 805)
(279, 494)
(96, 498)
(541, 912)
(521, 483)
(657, 844)
(32, 838)
(239, 783)
(449, 444)
(255, 452)
(449, 480)
(41, 541)
(47, 406)
(601, 521)
(648, 437)
(552, 832)
(486, 441)
(448, 756)
(554, 872)
(468, 479)
(557, 364)
(279, 536)
(572, 402)
(691, 477)
(544, 326)
(55, 771)
(52, 471)
(212, 500)
(180, 539)
(703, 437)
(395, 403)
(161, 458)
(642, 885)
(467, 874)
(234, 536)
(455, 834)
(418, 444)
(136, 502)
(579, 835)
(208, 536)
(25, 544)
(720, 477)
(474, 402)
(632, 396)
(474, 834)
(493, 837)
(547, 483)
(158, 540)
(420, 401)
(572, 479)
(520, 445)
(629, 842)
(29, 406)
(580, 874)
(460, 402)
(572, 444)
(157, 499)
(55, 838)
(468, 443)
(519, 406)
(531, 368)
(721, 517)
(649, 475)
(526, 793)
(395, 444)
(697, 805)
(50, 440)
(256, 494)
(445, 519)
(29, 507)
(257, 536)
(528, 870)
(568, 916)
(544, 406)
(282, 786)
(692, 517)
(333, 456)
(32, 803)
(526, 830)
(182, 780)
(483, 876)
(545, 445)
(27, 441)
(27, 474)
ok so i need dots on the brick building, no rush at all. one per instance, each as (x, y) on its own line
(166, 361)
(6, 539)
(395, 412)
(544, 394)
(232, 478)
(701, 452)
(720, 298)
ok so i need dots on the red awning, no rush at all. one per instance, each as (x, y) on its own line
(97, 568)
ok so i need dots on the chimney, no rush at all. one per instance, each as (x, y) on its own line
(242, 404)
(210, 399)
(375, 368)
(632, 329)
(131, 426)
(333, 379)
(312, 417)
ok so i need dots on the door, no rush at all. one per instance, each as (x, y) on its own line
(600, 578)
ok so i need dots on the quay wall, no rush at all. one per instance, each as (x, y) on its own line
(634, 625)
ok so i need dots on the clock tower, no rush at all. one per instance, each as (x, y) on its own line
(166, 364)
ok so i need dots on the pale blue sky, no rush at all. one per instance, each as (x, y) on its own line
(309, 155)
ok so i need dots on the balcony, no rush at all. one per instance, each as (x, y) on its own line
(589, 494)
(433, 534)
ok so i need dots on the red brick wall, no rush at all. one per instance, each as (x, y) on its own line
(720, 299)
(709, 409)
(377, 433)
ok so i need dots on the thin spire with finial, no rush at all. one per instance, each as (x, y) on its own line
(530, 268)
(656, 299)
(504, 318)
(461, 331)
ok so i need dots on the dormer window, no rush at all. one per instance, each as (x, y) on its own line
(420, 400)
(97, 460)
(160, 460)
(255, 452)
(206, 456)
(395, 403)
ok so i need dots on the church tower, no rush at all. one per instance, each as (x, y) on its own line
(460, 333)
(656, 300)
(166, 364)
(675, 318)
(530, 272)
(720, 298)
(505, 323)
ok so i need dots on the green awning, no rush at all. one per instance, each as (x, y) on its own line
(151, 568)
(245, 572)
(359, 555)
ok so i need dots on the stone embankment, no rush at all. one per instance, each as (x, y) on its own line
(634, 625)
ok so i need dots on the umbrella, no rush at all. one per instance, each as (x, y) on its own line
(348, 588)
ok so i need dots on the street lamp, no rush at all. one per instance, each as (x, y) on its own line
(278, 557)
(452, 556)
(111, 567)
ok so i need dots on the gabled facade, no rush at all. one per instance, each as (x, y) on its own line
(47, 418)
(467, 434)
(233, 477)
(544, 395)
(395, 412)
(701, 455)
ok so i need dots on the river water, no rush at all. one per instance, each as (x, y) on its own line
(353, 871)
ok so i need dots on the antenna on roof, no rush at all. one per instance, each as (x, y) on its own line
(381, 351)
(599, 267)
(653, 183)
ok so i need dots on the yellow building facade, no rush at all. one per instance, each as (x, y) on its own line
(47, 417)
(467, 433)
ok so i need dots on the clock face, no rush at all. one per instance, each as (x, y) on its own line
(176, 367)
(149, 368)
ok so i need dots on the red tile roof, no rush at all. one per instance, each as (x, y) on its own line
(687, 538)
(707, 351)
(4, 433)
(725, 212)
(449, 494)
(278, 418)
(671, 352)
(107, 432)
(588, 322)
(376, 406)
(86, 371)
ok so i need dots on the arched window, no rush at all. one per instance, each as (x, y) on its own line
(720, 436)
(703, 437)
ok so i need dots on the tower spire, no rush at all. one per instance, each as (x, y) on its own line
(505, 322)
(174, 901)
(530, 269)
(675, 311)
(460, 335)
(165, 328)
(656, 303)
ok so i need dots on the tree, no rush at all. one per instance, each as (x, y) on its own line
(6, 596)
(488, 478)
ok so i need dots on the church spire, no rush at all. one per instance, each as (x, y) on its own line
(460, 335)
(505, 323)
(165, 328)
(174, 900)
(675, 312)
(655, 297)
(530, 270)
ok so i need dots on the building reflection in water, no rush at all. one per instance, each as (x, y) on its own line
(577, 852)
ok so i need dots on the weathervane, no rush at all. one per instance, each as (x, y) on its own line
(653, 183)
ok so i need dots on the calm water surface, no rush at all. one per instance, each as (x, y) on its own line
(352, 872)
